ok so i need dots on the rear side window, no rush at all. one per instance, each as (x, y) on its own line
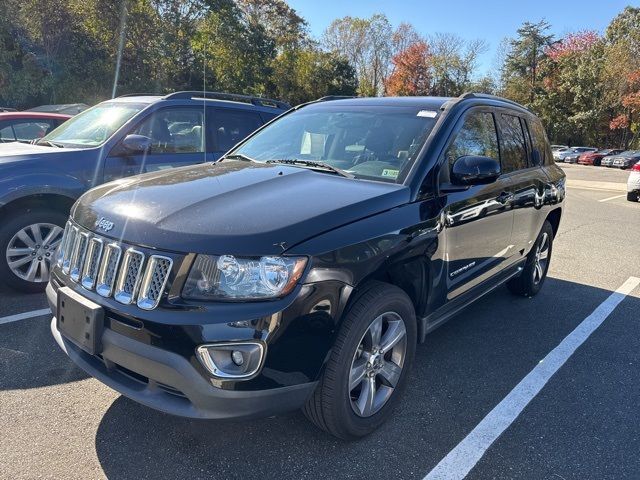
(514, 147)
(539, 139)
(174, 130)
(29, 130)
(476, 137)
(6, 134)
(231, 126)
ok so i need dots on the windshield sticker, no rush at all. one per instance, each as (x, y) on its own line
(389, 173)
(427, 113)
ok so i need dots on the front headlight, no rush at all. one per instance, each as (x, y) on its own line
(229, 278)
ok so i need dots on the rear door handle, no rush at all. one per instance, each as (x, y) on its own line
(504, 197)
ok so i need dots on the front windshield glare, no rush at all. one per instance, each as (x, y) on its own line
(94, 126)
(378, 143)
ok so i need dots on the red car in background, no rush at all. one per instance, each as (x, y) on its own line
(594, 158)
(27, 126)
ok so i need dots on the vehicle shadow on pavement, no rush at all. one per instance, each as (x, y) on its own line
(462, 371)
(31, 358)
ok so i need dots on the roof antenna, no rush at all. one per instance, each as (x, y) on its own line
(203, 130)
(123, 26)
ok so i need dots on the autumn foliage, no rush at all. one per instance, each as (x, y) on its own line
(411, 71)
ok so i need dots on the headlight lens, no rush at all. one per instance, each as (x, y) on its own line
(229, 278)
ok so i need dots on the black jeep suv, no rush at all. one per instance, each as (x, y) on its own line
(302, 269)
(117, 138)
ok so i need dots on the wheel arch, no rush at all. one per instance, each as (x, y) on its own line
(52, 201)
(411, 276)
(554, 219)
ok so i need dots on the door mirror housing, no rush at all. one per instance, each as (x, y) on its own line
(135, 144)
(474, 170)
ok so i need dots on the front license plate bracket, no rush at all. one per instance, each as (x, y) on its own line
(80, 320)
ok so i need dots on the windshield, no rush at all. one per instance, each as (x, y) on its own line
(94, 126)
(373, 142)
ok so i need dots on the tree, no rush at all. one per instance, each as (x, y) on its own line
(521, 79)
(454, 61)
(411, 71)
(367, 44)
(621, 60)
(308, 74)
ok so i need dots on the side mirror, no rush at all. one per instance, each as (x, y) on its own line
(135, 144)
(473, 170)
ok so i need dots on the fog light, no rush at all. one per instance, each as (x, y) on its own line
(239, 361)
(237, 357)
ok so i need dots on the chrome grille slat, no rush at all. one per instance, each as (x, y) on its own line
(77, 259)
(70, 246)
(112, 269)
(91, 264)
(108, 270)
(153, 282)
(63, 247)
(129, 277)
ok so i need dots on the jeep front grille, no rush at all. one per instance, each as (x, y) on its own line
(113, 269)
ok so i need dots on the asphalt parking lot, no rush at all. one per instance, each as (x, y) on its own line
(584, 422)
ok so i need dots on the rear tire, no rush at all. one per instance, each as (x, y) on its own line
(27, 239)
(532, 277)
(632, 196)
(363, 379)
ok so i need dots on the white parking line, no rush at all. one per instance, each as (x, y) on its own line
(611, 198)
(459, 461)
(25, 315)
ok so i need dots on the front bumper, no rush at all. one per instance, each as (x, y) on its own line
(154, 375)
(167, 382)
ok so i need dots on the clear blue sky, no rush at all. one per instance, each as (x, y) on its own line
(491, 20)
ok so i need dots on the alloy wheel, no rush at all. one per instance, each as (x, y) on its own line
(31, 250)
(377, 364)
(541, 258)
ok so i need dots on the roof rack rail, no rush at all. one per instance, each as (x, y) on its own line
(491, 97)
(334, 97)
(140, 95)
(230, 97)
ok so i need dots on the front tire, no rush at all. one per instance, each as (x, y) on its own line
(28, 242)
(632, 196)
(368, 367)
(532, 277)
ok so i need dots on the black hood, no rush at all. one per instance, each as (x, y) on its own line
(232, 207)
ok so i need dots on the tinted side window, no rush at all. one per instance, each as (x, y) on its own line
(6, 133)
(514, 148)
(176, 130)
(231, 126)
(29, 130)
(539, 154)
(476, 137)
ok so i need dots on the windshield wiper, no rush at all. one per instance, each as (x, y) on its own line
(50, 143)
(238, 156)
(314, 165)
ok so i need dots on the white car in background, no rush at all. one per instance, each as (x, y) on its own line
(633, 184)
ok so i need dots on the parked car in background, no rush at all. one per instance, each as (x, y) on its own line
(114, 139)
(7, 109)
(571, 155)
(626, 159)
(64, 109)
(28, 126)
(302, 269)
(559, 153)
(633, 183)
(558, 147)
(607, 161)
(594, 158)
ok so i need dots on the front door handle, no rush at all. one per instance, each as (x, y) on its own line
(504, 197)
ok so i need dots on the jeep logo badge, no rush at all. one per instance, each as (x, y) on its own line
(104, 224)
